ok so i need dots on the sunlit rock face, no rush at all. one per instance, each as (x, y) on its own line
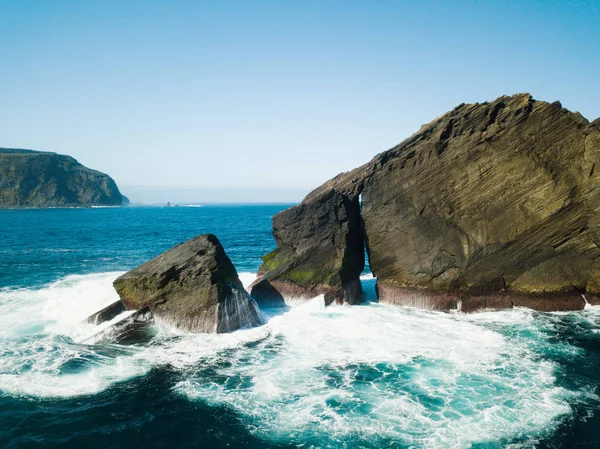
(492, 205)
(193, 286)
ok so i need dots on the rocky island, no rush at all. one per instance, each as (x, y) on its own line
(43, 179)
(491, 205)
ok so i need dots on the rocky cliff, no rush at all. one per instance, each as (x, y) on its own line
(491, 205)
(42, 179)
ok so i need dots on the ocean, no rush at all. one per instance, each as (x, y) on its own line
(367, 376)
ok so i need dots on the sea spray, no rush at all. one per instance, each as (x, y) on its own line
(238, 311)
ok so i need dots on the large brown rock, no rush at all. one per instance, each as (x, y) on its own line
(494, 200)
(491, 205)
(193, 286)
(320, 250)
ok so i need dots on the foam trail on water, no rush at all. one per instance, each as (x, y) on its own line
(40, 330)
(60, 306)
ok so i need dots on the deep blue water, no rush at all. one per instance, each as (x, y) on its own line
(39, 246)
(363, 376)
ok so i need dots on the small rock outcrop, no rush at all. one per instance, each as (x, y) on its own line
(42, 179)
(320, 250)
(193, 286)
(107, 313)
(132, 328)
(491, 205)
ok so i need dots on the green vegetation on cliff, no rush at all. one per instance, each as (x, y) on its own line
(42, 179)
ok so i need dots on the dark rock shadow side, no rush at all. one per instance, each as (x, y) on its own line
(320, 251)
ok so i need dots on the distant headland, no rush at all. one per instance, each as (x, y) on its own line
(38, 179)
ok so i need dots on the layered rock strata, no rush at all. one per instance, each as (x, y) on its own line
(491, 205)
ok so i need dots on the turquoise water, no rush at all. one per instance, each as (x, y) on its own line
(365, 376)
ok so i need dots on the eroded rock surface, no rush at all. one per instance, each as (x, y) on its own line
(193, 286)
(491, 205)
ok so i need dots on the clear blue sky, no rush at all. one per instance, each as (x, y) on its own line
(272, 94)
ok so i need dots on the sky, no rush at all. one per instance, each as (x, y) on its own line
(233, 100)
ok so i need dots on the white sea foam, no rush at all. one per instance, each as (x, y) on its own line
(60, 306)
(38, 331)
(247, 278)
(52, 383)
(381, 372)
(420, 377)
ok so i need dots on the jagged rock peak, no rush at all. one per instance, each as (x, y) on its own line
(320, 250)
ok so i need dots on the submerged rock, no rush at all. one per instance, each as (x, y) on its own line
(320, 250)
(43, 179)
(491, 205)
(193, 286)
(107, 313)
(131, 327)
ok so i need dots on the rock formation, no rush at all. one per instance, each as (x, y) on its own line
(133, 328)
(491, 205)
(107, 313)
(320, 250)
(41, 179)
(193, 286)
